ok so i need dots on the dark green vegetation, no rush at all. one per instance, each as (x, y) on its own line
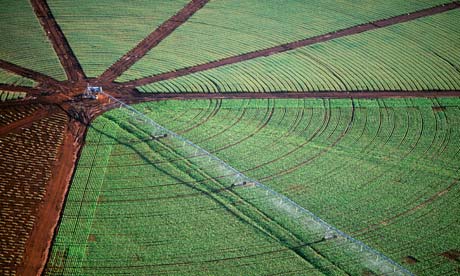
(384, 171)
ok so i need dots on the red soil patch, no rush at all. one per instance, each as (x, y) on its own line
(92, 238)
(24, 122)
(368, 273)
(38, 245)
(410, 260)
(453, 255)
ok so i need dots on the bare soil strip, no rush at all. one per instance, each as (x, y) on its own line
(27, 73)
(39, 243)
(296, 44)
(17, 88)
(153, 39)
(61, 46)
(137, 98)
(24, 122)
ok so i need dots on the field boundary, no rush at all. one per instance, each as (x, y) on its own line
(27, 73)
(144, 97)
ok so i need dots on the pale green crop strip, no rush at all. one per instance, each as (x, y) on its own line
(101, 32)
(76, 227)
(10, 78)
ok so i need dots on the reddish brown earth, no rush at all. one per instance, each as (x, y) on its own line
(29, 142)
(56, 95)
(24, 122)
(38, 245)
(453, 255)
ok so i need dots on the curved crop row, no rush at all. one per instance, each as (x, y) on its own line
(224, 28)
(392, 179)
(369, 61)
(159, 223)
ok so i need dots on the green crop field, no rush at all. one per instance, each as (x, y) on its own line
(131, 211)
(226, 28)
(384, 171)
(100, 33)
(370, 61)
(29, 47)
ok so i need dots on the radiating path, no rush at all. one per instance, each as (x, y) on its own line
(152, 40)
(16, 88)
(24, 122)
(296, 44)
(63, 50)
(27, 73)
(293, 95)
